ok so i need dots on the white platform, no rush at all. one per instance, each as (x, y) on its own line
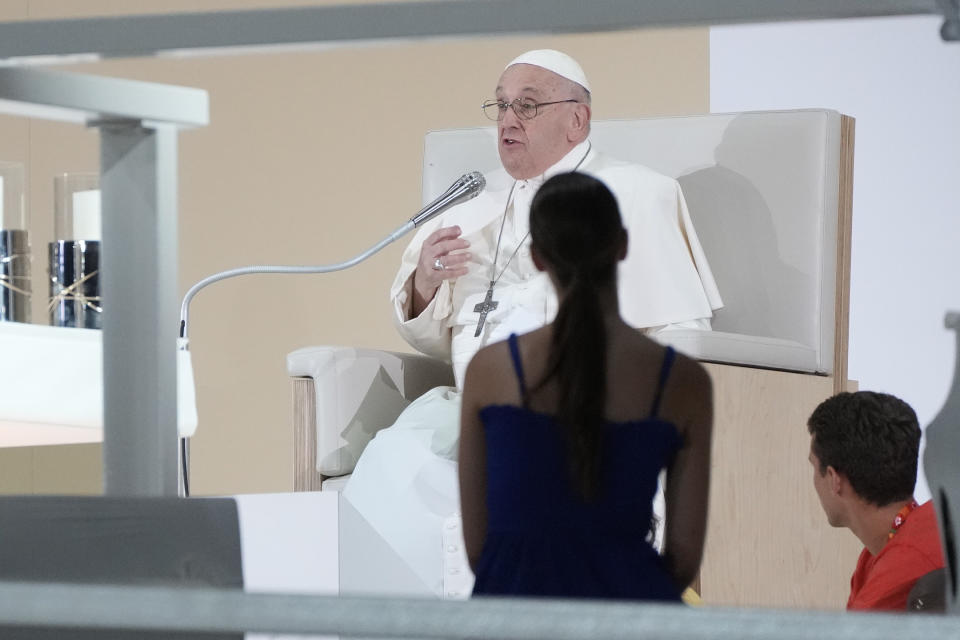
(51, 386)
(317, 543)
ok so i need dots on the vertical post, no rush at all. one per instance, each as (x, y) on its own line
(139, 283)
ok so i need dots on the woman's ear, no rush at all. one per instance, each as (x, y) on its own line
(624, 245)
(538, 261)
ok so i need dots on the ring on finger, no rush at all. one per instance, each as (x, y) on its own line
(438, 265)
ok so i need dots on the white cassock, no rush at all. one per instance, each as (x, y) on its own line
(405, 483)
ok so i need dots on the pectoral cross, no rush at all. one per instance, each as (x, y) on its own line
(483, 308)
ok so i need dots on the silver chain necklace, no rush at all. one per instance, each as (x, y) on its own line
(489, 304)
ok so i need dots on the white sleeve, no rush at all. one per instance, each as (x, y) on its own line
(429, 332)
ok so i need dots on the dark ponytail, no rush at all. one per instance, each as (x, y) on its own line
(575, 228)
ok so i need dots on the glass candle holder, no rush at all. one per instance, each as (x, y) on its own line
(15, 288)
(74, 257)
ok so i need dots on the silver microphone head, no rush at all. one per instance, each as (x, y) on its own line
(473, 182)
(464, 188)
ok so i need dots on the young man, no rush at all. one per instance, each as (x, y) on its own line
(864, 448)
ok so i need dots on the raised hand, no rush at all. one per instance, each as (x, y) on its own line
(442, 257)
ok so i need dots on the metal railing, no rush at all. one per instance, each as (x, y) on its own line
(101, 607)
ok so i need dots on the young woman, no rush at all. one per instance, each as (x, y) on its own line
(565, 430)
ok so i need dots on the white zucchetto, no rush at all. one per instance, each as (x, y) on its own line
(556, 61)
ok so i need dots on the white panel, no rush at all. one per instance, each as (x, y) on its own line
(289, 544)
(76, 97)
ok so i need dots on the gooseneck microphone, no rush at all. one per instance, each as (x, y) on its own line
(464, 188)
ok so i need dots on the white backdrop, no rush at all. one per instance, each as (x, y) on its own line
(902, 84)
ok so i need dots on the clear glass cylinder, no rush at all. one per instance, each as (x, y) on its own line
(76, 206)
(13, 211)
(15, 286)
(74, 257)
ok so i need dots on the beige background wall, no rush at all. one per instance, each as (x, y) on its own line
(309, 158)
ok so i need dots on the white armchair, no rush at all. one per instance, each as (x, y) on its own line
(353, 393)
(770, 196)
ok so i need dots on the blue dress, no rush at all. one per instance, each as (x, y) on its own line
(542, 538)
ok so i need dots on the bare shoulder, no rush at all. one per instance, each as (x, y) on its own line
(487, 359)
(690, 375)
(684, 370)
(485, 381)
(688, 397)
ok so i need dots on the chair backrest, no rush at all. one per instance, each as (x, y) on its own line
(764, 190)
(120, 541)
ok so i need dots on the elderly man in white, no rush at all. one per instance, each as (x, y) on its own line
(467, 280)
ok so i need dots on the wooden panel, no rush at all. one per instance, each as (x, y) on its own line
(768, 541)
(305, 475)
(844, 232)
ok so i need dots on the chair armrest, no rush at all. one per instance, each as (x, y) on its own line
(357, 393)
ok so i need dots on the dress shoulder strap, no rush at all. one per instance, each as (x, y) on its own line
(518, 366)
(668, 358)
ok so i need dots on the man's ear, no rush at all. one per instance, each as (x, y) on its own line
(579, 123)
(836, 481)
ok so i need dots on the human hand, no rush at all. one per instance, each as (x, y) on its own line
(437, 263)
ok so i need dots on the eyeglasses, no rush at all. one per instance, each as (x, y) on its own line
(525, 109)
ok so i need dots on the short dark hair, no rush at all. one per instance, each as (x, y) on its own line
(871, 438)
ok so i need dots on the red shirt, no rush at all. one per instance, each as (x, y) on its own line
(883, 581)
